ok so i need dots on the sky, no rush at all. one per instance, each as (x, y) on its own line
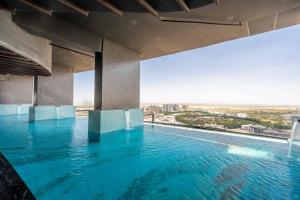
(261, 69)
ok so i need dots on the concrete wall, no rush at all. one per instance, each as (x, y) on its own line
(121, 77)
(56, 89)
(16, 89)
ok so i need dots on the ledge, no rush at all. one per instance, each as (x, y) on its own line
(11, 184)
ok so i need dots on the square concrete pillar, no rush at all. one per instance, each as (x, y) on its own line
(15, 94)
(16, 89)
(117, 91)
(106, 121)
(120, 77)
(57, 89)
(37, 113)
(8, 109)
(54, 95)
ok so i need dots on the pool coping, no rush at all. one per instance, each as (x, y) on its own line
(249, 136)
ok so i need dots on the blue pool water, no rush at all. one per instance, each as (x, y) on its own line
(56, 161)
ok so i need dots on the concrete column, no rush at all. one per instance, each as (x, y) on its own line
(56, 89)
(54, 95)
(15, 94)
(121, 77)
(15, 89)
(117, 91)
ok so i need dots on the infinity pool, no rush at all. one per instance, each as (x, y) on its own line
(56, 161)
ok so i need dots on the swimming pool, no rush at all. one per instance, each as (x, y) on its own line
(57, 161)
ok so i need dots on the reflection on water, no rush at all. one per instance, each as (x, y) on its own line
(94, 137)
(245, 151)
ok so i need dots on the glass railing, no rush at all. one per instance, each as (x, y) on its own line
(233, 124)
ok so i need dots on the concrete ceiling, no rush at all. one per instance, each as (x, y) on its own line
(77, 61)
(146, 34)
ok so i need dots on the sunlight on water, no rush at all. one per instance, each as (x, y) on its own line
(245, 151)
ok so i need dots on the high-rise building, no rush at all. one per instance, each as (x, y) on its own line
(170, 107)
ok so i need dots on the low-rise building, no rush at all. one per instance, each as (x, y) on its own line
(241, 115)
(254, 128)
(259, 129)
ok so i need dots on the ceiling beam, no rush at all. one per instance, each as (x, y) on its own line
(183, 5)
(36, 6)
(111, 7)
(75, 7)
(148, 7)
(197, 21)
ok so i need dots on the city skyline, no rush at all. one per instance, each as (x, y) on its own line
(257, 70)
